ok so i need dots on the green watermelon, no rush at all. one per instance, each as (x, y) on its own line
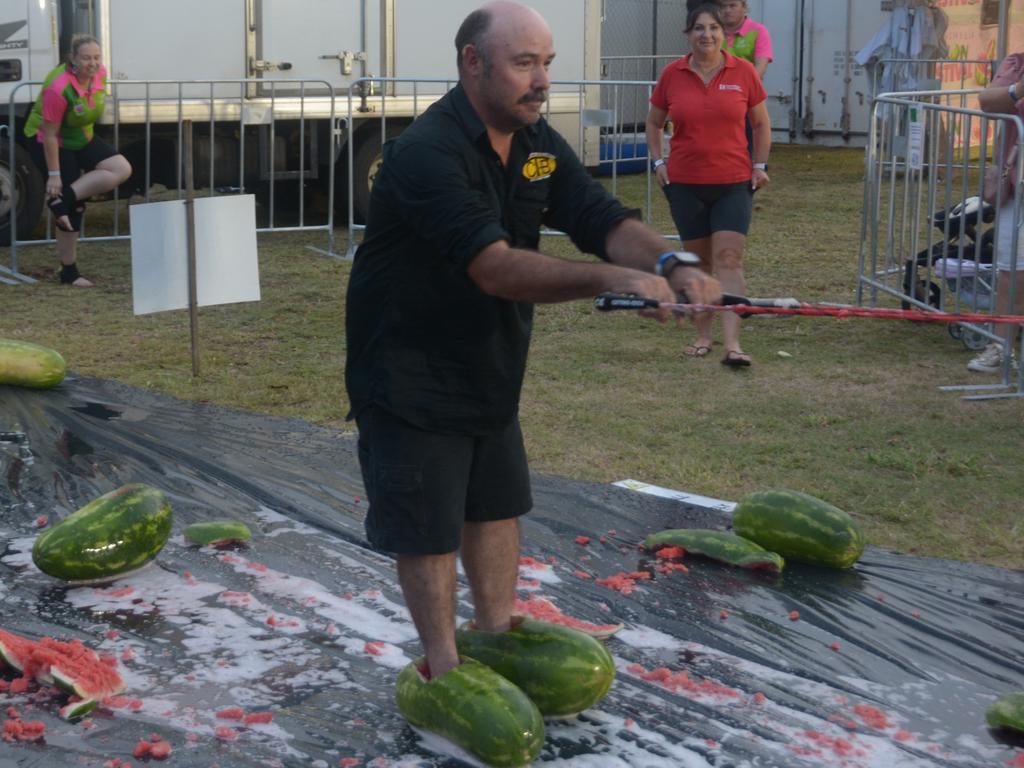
(562, 670)
(718, 545)
(474, 707)
(1007, 712)
(119, 532)
(799, 527)
(24, 364)
(217, 533)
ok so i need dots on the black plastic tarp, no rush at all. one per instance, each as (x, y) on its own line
(891, 663)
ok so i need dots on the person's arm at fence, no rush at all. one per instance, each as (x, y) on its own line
(51, 151)
(654, 128)
(761, 125)
(1004, 94)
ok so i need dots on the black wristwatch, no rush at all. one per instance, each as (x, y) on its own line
(669, 261)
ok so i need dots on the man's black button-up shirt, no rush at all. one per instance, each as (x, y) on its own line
(424, 342)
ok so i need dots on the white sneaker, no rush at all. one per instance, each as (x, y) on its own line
(991, 360)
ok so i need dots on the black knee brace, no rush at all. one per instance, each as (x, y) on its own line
(75, 216)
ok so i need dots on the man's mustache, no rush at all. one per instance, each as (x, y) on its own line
(540, 95)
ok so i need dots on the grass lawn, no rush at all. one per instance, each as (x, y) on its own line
(851, 412)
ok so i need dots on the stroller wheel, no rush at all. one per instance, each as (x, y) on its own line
(974, 340)
(955, 330)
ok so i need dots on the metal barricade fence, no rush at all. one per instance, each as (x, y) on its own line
(605, 137)
(635, 67)
(927, 237)
(890, 75)
(253, 133)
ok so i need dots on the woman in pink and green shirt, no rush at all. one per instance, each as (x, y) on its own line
(77, 164)
(745, 38)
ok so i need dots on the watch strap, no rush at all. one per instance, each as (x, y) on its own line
(663, 262)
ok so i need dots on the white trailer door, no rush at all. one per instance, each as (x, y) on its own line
(316, 40)
(425, 36)
(835, 89)
(15, 60)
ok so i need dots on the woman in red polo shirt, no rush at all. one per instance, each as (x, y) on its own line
(709, 178)
(77, 164)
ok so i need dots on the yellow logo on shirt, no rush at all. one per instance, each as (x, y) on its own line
(539, 166)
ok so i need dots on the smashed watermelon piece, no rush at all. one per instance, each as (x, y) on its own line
(72, 667)
(156, 748)
(23, 730)
(544, 610)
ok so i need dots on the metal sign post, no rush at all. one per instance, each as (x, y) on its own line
(190, 238)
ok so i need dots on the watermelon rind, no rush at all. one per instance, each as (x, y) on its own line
(718, 545)
(1007, 712)
(101, 580)
(475, 708)
(217, 532)
(24, 364)
(64, 682)
(112, 535)
(799, 527)
(78, 709)
(8, 656)
(562, 670)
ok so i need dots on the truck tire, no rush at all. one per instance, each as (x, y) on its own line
(366, 160)
(30, 191)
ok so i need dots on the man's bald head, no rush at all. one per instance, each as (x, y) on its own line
(484, 26)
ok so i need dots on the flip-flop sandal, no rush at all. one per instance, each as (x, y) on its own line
(735, 359)
(696, 350)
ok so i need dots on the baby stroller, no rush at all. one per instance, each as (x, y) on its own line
(961, 264)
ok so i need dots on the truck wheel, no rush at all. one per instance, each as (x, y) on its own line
(366, 160)
(30, 191)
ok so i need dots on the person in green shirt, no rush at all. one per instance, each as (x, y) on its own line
(744, 37)
(77, 164)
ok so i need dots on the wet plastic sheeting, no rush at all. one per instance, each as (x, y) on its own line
(890, 664)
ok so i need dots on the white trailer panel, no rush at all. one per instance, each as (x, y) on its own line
(183, 40)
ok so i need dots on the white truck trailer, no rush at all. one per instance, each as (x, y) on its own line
(253, 42)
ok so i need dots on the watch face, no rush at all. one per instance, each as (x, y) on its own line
(688, 259)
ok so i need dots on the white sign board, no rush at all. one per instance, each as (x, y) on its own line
(227, 270)
(915, 146)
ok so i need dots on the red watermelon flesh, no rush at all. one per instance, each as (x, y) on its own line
(544, 610)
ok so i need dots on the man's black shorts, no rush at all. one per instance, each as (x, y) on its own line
(73, 162)
(422, 487)
(700, 209)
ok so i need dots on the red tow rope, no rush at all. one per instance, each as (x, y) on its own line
(842, 311)
(607, 302)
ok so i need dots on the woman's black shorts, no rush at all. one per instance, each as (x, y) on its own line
(73, 162)
(700, 209)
